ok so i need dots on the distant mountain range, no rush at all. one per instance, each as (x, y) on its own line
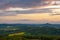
(32, 25)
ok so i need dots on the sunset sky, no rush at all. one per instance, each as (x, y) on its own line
(30, 11)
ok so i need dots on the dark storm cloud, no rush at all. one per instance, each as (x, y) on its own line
(20, 3)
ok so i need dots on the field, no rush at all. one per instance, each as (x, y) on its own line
(29, 32)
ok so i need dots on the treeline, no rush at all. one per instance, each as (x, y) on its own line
(31, 30)
(30, 37)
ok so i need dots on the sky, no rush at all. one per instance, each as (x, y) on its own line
(30, 11)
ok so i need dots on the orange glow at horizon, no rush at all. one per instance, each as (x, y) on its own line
(35, 17)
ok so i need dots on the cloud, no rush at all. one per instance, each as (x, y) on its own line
(27, 11)
(25, 20)
(19, 3)
(23, 3)
(5, 4)
(3, 13)
(33, 11)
